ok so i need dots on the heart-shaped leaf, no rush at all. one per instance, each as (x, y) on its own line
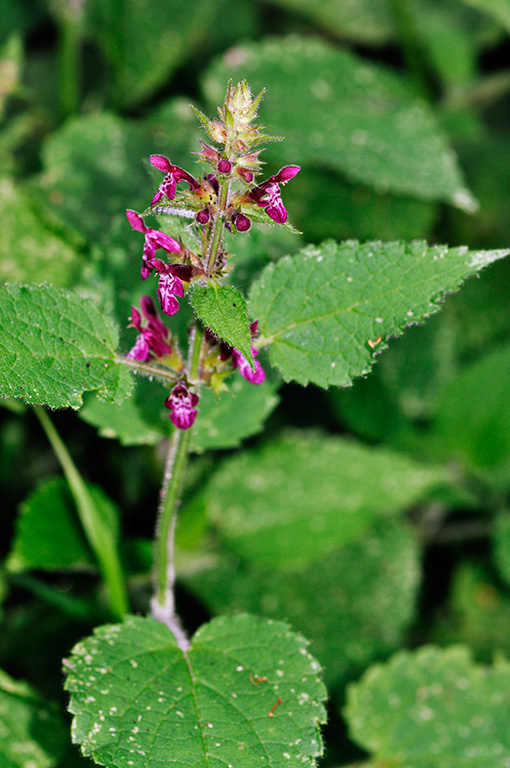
(246, 694)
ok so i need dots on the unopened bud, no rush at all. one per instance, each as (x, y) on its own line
(224, 166)
(203, 216)
(241, 222)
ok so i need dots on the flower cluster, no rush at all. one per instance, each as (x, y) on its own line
(226, 196)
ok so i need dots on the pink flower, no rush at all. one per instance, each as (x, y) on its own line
(153, 240)
(267, 195)
(173, 175)
(239, 361)
(170, 285)
(181, 404)
(153, 337)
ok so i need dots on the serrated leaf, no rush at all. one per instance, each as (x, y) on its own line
(337, 110)
(354, 603)
(304, 495)
(327, 308)
(225, 420)
(223, 309)
(32, 732)
(24, 234)
(48, 536)
(54, 346)
(433, 708)
(198, 707)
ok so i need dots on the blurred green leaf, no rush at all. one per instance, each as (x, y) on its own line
(477, 613)
(302, 496)
(48, 535)
(210, 707)
(354, 603)
(127, 422)
(471, 422)
(145, 43)
(434, 708)
(225, 420)
(11, 58)
(29, 250)
(54, 346)
(32, 732)
(223, 309)
(18, 16)
(351, 116)
(501, 545)
(325, 310)
(498, 9)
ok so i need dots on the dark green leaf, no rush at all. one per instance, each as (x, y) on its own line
(223, 309)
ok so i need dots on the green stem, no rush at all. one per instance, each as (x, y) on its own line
(69, 64)
(163, 602)
(219, 224)
(97, 531)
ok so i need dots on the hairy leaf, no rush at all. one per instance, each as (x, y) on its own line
(140, 700)
(326, 309)
(337, 110)
(354, 603)
(302, 496)
(223, 309)
(32, 732)
(54, 346)
(433, 708)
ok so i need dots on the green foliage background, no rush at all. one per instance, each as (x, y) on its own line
(398, 113)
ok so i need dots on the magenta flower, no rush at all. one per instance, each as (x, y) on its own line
(267, 195)
(239, 361)
(173, 175)
(153, 240)
(181, 404)
(170, 284)
(153, 337)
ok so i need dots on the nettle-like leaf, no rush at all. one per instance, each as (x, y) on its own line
(303, 496)
(340, 111)
(433, 708)
(223, 309)
(32, 732)
(54, 346)
(327, 308)
(246, 694)
(354, 603)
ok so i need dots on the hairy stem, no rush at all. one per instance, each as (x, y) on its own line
(96, 528)
(218, 226)
(163, 602)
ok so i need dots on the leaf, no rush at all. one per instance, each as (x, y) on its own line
(32, 732)
(499, 9)
(223, 309)
(126, 422)
(351, 116)
(501, 544)
(54, 346)
(48, 536)
(325, 309)
(198, 707)
(226, 420)
(141, 60)
(364, 21)
(28, 249)
(471, 422)
(433, 708)
(354, 603)
(304, 495)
